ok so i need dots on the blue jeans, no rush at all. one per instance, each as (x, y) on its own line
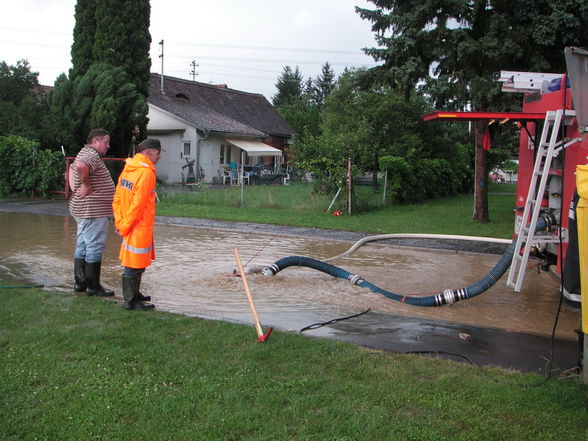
(91, 238)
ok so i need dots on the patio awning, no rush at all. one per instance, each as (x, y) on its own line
(254, 148)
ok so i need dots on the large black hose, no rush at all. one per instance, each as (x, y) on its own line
(448, 296)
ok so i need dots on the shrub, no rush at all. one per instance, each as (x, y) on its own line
(423, 178)
(26, 169)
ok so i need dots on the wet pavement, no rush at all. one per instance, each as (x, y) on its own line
(497, 328)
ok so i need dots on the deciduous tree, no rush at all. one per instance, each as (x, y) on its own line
(21, 110)
(372, 125)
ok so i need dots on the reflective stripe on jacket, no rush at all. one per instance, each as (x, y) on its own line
(134, 211)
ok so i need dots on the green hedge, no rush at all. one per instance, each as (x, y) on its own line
(424, 179)
(25, 169)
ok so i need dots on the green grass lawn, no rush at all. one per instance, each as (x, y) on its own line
(296, 205)
(80, 368)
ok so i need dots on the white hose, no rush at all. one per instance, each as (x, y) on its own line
(257, 269)
(365, 240)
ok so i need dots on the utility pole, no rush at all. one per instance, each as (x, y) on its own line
(193, 71)
(161, 56)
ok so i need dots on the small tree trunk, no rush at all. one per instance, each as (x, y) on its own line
(375, 170)
(480, 175)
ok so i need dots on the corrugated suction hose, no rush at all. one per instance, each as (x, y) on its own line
(447, 297)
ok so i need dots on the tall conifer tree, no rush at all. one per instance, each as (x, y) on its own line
(122, 38)
(290, 88)
(83, 38)
(108, 84)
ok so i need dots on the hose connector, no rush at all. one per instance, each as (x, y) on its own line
(549, 219)
(354, 279)
(450, 296)
(271, 270)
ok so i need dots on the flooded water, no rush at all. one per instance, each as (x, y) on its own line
(193, 275)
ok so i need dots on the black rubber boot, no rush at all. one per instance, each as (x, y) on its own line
(93, 287)
(79, 275)
(140, 295)
(130, 294)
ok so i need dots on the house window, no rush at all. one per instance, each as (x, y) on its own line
(186, 149)
(223, 152)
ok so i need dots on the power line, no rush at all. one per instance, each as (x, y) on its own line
(34, 31)
(192, 44)
(232, 63)
(271, 60)
(269, 48)
(34, 44)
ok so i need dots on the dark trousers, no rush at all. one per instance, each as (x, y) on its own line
(133, 272)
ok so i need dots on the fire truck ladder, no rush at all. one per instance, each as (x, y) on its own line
(527, 237)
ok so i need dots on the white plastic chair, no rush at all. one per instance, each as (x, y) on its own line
(225, 175)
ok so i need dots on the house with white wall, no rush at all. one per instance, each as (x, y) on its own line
(211, 126)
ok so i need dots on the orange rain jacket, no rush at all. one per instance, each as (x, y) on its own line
(134, 211)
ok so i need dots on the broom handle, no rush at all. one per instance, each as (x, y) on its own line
(249, 298)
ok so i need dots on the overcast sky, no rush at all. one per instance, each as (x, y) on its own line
(244, 44)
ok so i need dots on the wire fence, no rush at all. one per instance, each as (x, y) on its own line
(245, 188)
(279, 191)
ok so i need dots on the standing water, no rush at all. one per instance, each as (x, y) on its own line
(193, 275)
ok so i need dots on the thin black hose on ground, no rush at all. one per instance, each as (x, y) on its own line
(330, 322)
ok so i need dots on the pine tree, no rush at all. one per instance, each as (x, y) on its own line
(453, 47)
(324, 84)
(290, 88)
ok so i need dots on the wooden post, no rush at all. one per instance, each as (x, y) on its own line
(349, 182)
(241, 175)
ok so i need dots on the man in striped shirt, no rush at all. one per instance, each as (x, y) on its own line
(91, 206)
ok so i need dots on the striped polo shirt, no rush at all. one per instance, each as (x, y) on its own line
(99, 202)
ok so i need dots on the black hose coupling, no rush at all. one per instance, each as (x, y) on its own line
(549, 219)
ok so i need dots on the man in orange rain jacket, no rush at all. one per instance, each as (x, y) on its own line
(134, 216)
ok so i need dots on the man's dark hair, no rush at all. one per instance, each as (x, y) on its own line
(96, 133)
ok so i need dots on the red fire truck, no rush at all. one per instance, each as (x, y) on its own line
(553, 126)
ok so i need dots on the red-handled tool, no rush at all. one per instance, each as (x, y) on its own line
(261, 337)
